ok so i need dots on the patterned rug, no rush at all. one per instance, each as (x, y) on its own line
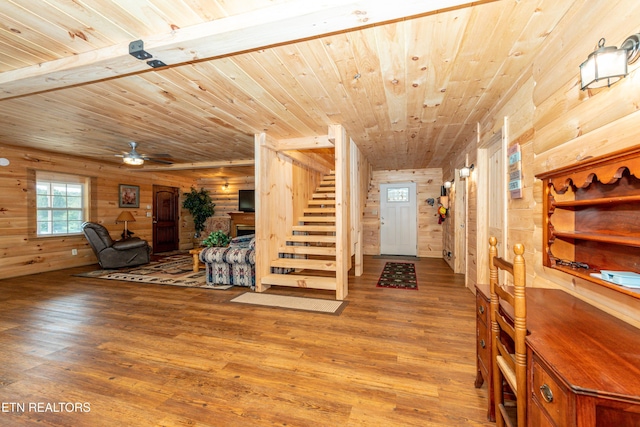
(401, 275)
(176, 270)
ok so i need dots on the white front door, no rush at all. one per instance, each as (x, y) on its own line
(398, 219)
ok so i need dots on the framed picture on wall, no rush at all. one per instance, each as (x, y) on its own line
(129, 196)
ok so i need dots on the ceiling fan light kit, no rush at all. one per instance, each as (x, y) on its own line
(135, 161)
(134, 158)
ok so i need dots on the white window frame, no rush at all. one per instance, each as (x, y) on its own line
(79, 211)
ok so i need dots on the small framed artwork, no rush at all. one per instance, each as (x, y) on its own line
(129, 196)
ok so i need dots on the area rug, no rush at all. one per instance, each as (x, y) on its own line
(401, 275)
(295, 303)
(176, 270)
(397, 257)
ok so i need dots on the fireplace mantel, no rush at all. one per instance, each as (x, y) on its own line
(242, 220)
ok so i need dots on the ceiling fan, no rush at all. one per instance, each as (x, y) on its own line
(134, 158)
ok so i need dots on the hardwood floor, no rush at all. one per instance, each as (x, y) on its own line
(87, 352)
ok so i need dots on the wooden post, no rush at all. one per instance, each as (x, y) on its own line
(343, 250)
(261, 214)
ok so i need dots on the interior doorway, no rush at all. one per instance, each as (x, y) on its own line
(165, 218)
(493, 220)
(398, 219)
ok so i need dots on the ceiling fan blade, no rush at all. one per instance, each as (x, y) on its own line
(165, 162)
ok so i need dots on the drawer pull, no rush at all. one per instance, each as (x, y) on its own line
(481, 309)
(546, 393)
(483, 344)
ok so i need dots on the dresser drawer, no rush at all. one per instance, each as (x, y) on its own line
(550, 395)
(483, 344)
(482, 309)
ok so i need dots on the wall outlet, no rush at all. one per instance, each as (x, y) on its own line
(74, 252)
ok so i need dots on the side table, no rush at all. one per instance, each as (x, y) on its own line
(196, 259)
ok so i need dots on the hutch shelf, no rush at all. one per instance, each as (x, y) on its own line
(592, 217)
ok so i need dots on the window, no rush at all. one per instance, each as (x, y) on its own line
(398, 194)
(62, 203)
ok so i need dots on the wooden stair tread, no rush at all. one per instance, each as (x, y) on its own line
(308, 250)
(306, 238)
(317, 218)
(305, 264)
(320, 210)
(315, 228)
(300, 281)
(324, 195)
(322, 202)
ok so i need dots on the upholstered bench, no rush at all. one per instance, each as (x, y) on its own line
(232, 265)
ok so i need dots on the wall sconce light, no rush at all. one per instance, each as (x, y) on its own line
(465, 172)
(447, 184)
(225, 187)
(608, 64)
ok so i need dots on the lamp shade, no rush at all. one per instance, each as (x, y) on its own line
(603, 67)
(125, 216)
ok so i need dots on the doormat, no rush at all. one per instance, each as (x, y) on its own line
(175, 270)
(294, 303)
(397, 257)
(401, 275)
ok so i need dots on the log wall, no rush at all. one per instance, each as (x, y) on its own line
(23, 255)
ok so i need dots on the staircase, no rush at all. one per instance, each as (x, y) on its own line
(309, 258)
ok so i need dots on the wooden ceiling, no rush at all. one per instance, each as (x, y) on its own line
(409, 80)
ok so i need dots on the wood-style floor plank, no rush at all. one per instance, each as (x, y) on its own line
(153, 355)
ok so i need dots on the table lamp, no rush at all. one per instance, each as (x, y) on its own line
(125, 216)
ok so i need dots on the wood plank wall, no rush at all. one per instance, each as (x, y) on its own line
(226, 199)
(22, 255)
(571, 124)
(556, 124)
(428, 183)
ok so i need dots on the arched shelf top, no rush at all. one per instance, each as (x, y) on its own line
(607, 169)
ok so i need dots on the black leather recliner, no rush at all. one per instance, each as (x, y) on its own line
(115, 253)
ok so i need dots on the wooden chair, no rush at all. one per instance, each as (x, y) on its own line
(509, 366)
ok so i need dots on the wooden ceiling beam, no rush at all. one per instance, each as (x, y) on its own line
(304, 143)
(198, 165)
(284, 23)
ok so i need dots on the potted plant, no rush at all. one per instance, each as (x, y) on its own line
(217, 239)
(200, 206)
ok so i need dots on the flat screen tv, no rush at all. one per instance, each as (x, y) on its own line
(246, 201)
